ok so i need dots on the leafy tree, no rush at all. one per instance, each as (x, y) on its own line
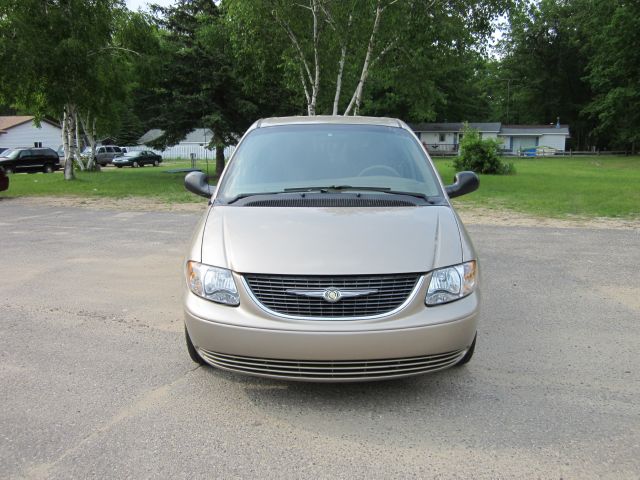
(541, 76)
(197, 84)
(330, 50)
(66, 60)
(481, 155)
(613, 69)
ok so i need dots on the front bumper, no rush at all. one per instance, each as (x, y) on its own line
(415, 340)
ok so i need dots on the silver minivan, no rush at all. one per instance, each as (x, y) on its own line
(330, 252)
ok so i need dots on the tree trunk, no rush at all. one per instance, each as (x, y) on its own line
(354, 104)
(78, 140)
(68, 161)
(219, 160)
(91, 136)
(217, 140)
(336, 99)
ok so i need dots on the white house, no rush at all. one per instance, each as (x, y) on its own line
(20, 131)
(194, 143)
(444, 138)
(517, 138)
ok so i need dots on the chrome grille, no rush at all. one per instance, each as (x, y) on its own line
(391, 291)
(342, 370)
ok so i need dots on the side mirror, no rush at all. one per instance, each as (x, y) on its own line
(196, 182)
(464, 182)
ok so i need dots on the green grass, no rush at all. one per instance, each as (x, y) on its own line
(597, 186)
(150, 182)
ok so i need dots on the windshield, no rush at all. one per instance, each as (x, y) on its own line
(11, 154)
(281, 158)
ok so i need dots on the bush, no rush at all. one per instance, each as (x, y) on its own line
(481, 156)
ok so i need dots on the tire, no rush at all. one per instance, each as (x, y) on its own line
(193, 353)
(156, 163)
(8, 171)
(467, 356)
(135, 164)
(48, 168)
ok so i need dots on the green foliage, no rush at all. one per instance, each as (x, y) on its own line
(426, 45)
(613, 70)
(481, 155)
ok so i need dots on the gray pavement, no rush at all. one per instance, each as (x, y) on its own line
(95, 381)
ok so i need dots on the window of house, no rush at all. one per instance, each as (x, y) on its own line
(442, 138)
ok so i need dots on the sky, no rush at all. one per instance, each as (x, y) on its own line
(136, 4)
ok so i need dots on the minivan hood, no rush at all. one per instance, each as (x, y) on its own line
(331, 241)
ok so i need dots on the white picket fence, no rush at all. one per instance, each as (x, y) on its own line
(184, 152)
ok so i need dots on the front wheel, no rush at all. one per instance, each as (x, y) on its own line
(48, 168)
(193, 353)
(156, 163)
(8, 171)
(136, 164)
(467, 356)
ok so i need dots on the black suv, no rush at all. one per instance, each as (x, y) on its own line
(29, 160)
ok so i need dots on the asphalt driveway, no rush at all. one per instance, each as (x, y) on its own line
(95, 381)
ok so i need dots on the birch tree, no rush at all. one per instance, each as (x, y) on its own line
(334, 47)
(62, 72)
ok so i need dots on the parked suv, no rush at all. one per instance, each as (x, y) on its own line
(29, 160)
(330, 252)
(105, 154)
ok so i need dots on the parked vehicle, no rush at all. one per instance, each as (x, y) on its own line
(29, 160)
(331, 252)
(4, 180)
(104, 154)
(138, 159)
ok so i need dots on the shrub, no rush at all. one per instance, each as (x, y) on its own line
(481, 155)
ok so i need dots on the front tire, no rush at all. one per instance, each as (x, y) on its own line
(48, 168)
(156, 163)
(8, 171)
(135, 165)
(193, 353)
(467, 356)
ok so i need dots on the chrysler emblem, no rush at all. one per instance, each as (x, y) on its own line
(332, 295)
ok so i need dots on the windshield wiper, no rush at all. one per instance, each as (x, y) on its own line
(341, 188)
(240, 196)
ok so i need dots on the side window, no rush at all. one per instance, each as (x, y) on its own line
(110, 149)
(25, 154)
(442, 138)
(117, 149)
(101, 150)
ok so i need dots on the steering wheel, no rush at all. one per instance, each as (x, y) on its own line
(385, 168)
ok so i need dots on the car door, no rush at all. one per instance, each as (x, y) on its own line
(25, 161)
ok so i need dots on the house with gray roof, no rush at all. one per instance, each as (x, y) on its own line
(444, 138)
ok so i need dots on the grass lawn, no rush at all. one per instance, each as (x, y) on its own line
(150, 182)
(597, 186)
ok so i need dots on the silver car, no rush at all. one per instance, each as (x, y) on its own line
(330, 252)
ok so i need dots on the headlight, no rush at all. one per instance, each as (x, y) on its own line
(451, 283)
(213, 283)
